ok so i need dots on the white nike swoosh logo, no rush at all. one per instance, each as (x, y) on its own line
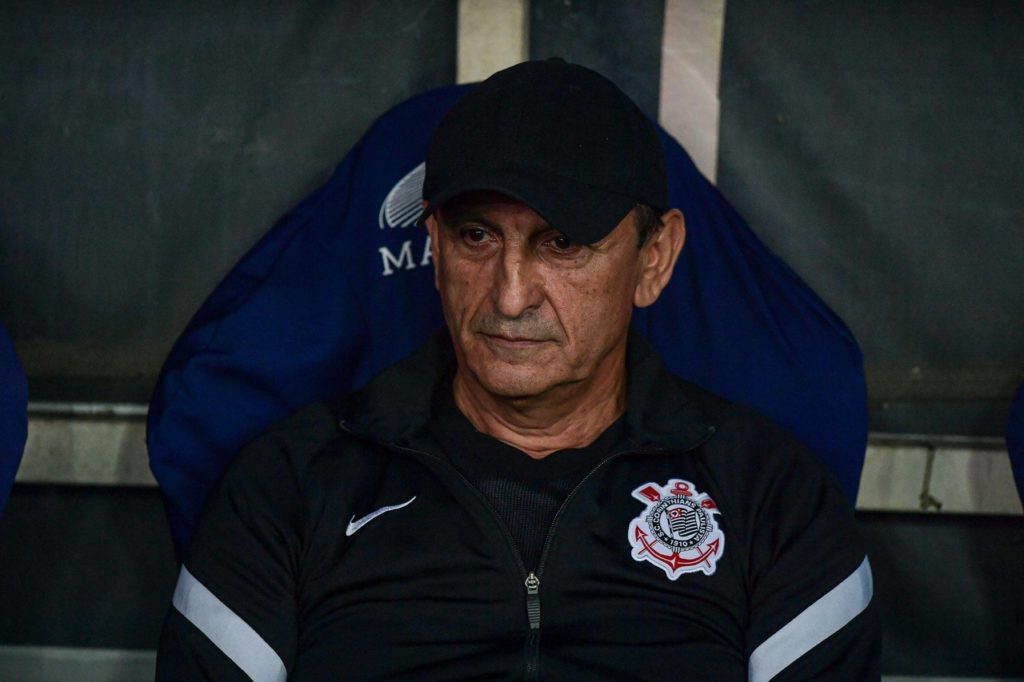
(354, 526)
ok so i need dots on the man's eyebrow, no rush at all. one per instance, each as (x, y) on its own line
(458, 215)
(466, 214)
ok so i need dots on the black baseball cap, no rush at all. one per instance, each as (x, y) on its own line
(560, 138)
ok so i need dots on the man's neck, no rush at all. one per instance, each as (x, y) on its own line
(570, 417)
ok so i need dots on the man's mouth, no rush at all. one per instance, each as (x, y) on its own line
(510, 341)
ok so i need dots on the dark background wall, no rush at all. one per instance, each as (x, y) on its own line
(878, 148)
(618, 39)
(147, 145)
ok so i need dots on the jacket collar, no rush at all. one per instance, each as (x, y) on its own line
(663, 411)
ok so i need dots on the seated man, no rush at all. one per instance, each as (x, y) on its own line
(531, 494)
(1015, 439)
(13, 415)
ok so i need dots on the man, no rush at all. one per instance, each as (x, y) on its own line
(13, 415)
(531, 495)
(1015, 439)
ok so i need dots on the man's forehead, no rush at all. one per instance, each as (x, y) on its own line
(481, 203)
(496, 209)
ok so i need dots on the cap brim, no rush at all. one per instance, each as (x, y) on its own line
(583, 213)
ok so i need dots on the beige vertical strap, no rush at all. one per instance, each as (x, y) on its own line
(691, 59)
(493, 35)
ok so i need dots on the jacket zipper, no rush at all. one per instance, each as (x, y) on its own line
(531, 650)
(532, 579)
(531, 582)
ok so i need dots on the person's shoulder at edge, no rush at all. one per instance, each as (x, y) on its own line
(807, 572)
(305, 444)
(753, 448)
(743, 436)
(267, 475)
(767, 477)
(768, 471)
(297, 437)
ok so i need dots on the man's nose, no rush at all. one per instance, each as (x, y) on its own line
(517, 288)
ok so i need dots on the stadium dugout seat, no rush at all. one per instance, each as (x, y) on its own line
(342, 286)
(13, 415)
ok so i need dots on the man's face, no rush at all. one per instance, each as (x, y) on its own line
(529, 311)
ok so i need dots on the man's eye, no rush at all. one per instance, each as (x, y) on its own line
(474, 235)
(563, 243)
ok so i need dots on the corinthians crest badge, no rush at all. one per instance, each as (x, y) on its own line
(677, 532)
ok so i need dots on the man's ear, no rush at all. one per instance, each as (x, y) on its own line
(432, 231)
(658, 258)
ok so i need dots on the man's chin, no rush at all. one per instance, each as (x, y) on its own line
(515, 382)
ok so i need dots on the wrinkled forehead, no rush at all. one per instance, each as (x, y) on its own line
(487, 206)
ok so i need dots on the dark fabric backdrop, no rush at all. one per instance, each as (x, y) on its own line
(877, 147)
(147, 145)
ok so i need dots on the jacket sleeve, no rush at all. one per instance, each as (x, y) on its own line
(234, 609)
(809, 578)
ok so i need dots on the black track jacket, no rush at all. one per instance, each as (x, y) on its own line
(341, 545)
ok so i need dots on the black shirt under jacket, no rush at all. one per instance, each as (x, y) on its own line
(526, 493)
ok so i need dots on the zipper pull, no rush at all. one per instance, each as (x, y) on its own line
(533, 600)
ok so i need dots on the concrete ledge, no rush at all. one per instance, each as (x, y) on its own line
(105, 444)
(86, 444)
(44, 663)
(938, 474)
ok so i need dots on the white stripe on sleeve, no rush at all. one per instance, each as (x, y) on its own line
(813, 625)
(227, 630)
